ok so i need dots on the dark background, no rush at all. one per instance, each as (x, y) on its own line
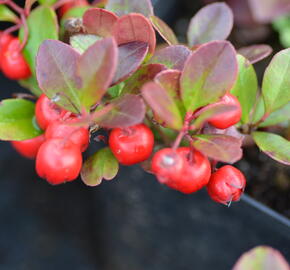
(131, 222)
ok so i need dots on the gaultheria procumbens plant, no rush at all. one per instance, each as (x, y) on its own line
(178, 110)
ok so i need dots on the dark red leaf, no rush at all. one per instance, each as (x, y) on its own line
(255, 53)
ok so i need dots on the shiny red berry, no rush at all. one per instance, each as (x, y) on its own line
(5, 39)
(58, 161)
(226, 185)
(67, 6)
(131, 145)
(47, 111)
(29, 148)
(13, 64)
(230, 118)
(66, 129)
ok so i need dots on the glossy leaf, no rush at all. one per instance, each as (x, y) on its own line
(262, 258)
(246, 87)
(256, 53)
(7, 15)
(123, 7)
(126, 111)
(276, 82)
(101, 165)
(277, 117)
(42, 24)
(219, 147)
(134, 27)
(99, 21)
(163, 104)
(274, 146)
(164, 30)
(17, 120)
(96, 68)
(130, 57)
(56, 73)
(144, 74)
(213, 22)
(173, 57)
(82, 42)
(208, 74)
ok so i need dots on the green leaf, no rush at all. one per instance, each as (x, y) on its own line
(82, 42)
(47, 2)
(7, 15)
(277, 117)
(246, 88)
(276, 82)
(31, 84)
(116, 90)
(259, 110)
(274, 146)
(75, 12)
(42, 24)
(17, 120)
(102, 165)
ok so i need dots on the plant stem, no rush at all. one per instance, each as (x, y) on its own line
(26, 32)
(12, 28)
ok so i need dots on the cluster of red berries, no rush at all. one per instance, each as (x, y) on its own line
(12, 62)
(58, 151)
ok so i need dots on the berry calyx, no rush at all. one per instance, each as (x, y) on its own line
(230, 118)
(29, 148)
(79, 135)
(67, 6)
(47, 111)
(226, 185)
(58, 161)
(13, 64)
(131, 145)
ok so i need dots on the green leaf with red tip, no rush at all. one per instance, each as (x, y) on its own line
(279, 116)
(213, 22)
(144, 74)
(255, 53)
(276, 82)
(163, 104)
(123, 7)
(219, 147)
(164, 30)
(99, 21)
(262, 258)
(274, 146)
(17, 121)
(42, 25)
(246, 87)
(173, 57)
(7, 15)
(134, 27)
(82, 42)
(209, 73)
(101, 165)
(124, 111)
(130, 58)
(56, 74)
(96, 68)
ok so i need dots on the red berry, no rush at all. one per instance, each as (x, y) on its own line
(131, 145)
(13, 64)
(58, 161)
(226, 184)
(227, 119)
(47, 111)
(67, 6)
(29, 148)
(78, 135)
(5, 39)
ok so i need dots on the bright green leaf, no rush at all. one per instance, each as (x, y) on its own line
(7, 15)
(47, 2)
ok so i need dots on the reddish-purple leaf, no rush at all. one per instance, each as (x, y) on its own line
(131, 56)
(255, 53)
(144, 74)
(126, 111)
(213, 22)
(164, 30)
(268, 10)
(173, 57)
(222, 148)
(208, 74)
(99, 21)
(123, 7)
(97, 67)
(56, 66)
(163, 104)
(134, 27)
